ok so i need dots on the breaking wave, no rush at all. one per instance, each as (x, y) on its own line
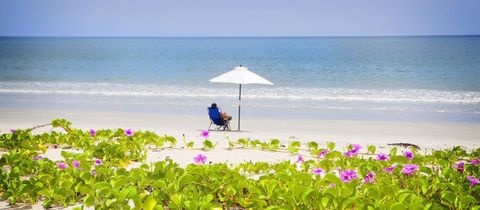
(262, 93)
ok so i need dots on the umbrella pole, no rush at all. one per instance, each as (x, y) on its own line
(239, 99)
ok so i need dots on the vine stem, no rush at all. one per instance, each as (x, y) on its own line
(40, 126)
(48, 124)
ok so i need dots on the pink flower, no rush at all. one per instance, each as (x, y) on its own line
(12, 130)
(37, 157)
(382, 157)
(200, 159)
(390, 169)
(317, 171)
(93, 132)
(61, 165)
(75, 164)
(408, 154)
(409, 169)
(300, 159)
(473, 181)
(370, 177)
(323, 153)
(357, 147)
(128, 132)
(205, 134)
(98, 162)
(474, 162)
(348, 175)
(332, 185)
(353, 152)
(460, 166)
(94, 173)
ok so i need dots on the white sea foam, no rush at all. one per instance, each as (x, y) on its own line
(260, 93)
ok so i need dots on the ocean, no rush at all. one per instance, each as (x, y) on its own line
(367, 78)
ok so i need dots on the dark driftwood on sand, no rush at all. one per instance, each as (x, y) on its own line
(404, 145)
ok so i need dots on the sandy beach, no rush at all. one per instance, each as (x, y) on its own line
(428, 135)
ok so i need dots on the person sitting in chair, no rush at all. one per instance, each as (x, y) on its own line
(224, 115)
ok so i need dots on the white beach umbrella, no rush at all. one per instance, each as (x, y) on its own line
(240, 75)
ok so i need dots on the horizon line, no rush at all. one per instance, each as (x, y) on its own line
(262, 36)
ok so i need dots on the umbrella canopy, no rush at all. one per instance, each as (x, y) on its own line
(242, 76)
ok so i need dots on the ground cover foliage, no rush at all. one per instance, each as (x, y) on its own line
(330, 178)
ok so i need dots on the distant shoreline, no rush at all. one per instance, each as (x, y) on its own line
(266, 36)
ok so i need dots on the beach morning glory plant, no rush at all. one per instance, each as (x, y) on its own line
(460, 166)
(317, 171)
(128, 132)
(474, 162)
(92, 132)
(98, 162)
(200, 159)
(354, 151)
(382, 157)
(370, 177)
(408, 155)
(390, 169)
(323, 153)
(99, 178)
(38, 157)
(76, 164)
(357, 146)
(348, 175)
(473, 181)
(61, 165)
(205, 134)
(409, 169)
(300, 159)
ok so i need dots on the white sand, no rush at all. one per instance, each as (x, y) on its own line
(431, 135)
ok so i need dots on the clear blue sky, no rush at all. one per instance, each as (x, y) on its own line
(238, 17)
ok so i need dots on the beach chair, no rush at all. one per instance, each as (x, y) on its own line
(216, 119)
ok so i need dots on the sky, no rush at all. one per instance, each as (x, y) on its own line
(239, 17)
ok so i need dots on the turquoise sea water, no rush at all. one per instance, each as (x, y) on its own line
(421, 76)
